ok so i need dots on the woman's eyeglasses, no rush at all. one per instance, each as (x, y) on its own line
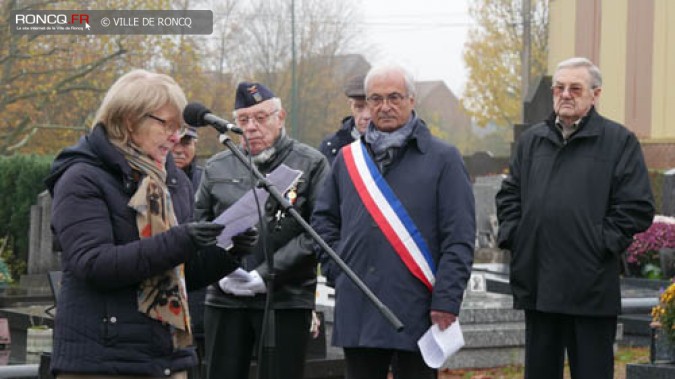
(169, 127)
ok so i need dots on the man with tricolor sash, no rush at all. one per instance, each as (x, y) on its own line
(399, 210)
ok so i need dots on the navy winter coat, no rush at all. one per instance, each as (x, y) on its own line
(332, 144)
(194, 173)
(196, 297)
(430, 179)
(98, 328)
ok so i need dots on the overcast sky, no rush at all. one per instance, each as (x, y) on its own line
(426, 36)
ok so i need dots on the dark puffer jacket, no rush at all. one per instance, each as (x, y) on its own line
(98, 328)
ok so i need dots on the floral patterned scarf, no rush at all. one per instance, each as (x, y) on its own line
(162, 297)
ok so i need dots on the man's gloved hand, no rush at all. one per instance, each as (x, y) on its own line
(204, 234)
(234, 287)
(233, 283)
(255, 284)
(244, 243)
(239, 275)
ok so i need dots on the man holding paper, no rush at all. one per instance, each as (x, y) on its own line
(234, 306)
(399, 210)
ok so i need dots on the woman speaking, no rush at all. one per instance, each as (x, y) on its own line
(121, 213)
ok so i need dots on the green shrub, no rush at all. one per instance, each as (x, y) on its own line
(21, 180)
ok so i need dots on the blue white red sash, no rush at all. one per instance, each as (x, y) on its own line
(389, 214)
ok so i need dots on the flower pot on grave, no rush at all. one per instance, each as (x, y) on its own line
(662, 350)
(38, 341)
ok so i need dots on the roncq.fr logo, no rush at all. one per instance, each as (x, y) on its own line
(51, 19)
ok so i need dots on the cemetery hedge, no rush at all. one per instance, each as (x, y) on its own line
(21, 180)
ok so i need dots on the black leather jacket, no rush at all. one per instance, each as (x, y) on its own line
(226, 180)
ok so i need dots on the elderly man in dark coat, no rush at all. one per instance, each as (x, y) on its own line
(354, 125)
(577, 192)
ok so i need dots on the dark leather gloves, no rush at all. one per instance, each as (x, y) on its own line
(244, 243)
(204, 234)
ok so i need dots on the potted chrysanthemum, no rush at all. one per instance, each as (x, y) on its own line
(646, 251)
(663, 324)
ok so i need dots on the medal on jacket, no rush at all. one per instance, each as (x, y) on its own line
(292, 195)
(277, 219)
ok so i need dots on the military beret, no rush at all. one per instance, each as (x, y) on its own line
(250, 94)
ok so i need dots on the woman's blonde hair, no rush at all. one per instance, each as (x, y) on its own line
(132, 97)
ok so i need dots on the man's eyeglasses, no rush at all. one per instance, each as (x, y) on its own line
(394, 99)
(259, 118)
(575, 90)
(169, 127)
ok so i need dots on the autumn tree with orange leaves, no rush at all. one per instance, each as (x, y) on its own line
(492, 55)
(52, 84)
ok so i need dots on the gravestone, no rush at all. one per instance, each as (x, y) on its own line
(494, 332)
(483, 163)
(668, 207)
(41, 255)
(34, 286)
(539, 103)
(667, 260)
(485, 189)
(536, 108)
(650, 371)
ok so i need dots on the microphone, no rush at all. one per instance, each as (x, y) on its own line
(196, 114)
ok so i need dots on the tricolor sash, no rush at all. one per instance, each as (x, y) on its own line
(389, 213)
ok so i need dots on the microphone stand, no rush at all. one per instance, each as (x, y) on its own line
(287, 208)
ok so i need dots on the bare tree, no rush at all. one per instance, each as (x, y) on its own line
(263, 32)
(56, 81)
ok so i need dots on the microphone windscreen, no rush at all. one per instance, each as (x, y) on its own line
(194, 113)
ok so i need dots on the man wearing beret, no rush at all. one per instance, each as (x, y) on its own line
(234, 307)
(352, 126)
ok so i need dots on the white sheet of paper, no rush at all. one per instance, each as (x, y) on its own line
(243, 214)
(437, 346)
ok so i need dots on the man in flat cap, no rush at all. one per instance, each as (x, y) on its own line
(353, 126)
(184, 156)
(234, 306)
